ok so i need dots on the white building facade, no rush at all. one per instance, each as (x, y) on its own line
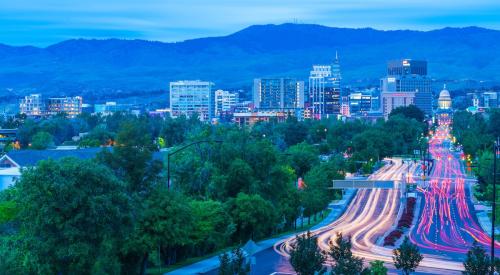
(225, 101)
(72, 106)
(32, 105)
(192, 97)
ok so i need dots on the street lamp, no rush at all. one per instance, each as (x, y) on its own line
(496, 149)
(169, 154)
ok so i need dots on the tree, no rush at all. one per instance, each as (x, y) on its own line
(302, 158)
(407, 257)
(234, 263)
(26, 132)
(41, 140)
(239, 262)
(476, 262)
(305, 256)
(8, 211)
(254, 217)
(225, 264)
(239, 178)
(344, 262)
(377, 268)
(294, 132)
(97, 137)
(410, 111)
(73, 214)
(131, 157)
(212, 225)
(164, 223)
(315, 196)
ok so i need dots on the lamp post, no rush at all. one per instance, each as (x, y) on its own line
(169, 154)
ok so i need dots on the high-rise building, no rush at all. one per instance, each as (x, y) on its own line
(407, 76)
(318, 80)
(71, 106)
(225, 101)
(192, 97)
(278, 93)
(407, 67)
(32, 105)
(324, 90)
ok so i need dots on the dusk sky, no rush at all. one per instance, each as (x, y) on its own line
(44, 22)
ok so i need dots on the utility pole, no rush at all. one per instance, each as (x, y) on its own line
(496, 147)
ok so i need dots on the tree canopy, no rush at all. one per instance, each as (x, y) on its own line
(407, 257)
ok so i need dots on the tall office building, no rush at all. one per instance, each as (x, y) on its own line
(406, 83)
(32, 105)
(324, 90)
(225, 101)
(278, 93)
(192, 97)
(72, 106)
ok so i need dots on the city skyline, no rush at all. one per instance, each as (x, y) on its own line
(45, 22)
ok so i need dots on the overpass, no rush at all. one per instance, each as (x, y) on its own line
(363, 184)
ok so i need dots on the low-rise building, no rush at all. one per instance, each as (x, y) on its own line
(250, 118)
(110, 107)
(72, 106)
(35, 105)
(32, 105)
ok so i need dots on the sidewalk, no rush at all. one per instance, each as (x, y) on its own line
(212, 263)
(482, 211)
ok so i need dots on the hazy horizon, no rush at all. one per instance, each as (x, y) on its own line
(46, 22)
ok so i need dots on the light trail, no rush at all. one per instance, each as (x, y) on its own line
(447, 223)
(371, 214)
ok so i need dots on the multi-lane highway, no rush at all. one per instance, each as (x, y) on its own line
(371, 214)
(447, 225)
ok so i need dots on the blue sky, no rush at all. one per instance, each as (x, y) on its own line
(44, 22)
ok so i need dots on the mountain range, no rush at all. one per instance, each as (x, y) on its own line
(113, 66)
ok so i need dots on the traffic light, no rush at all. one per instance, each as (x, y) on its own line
(468, 163)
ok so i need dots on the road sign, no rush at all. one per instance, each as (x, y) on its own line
(363, 184)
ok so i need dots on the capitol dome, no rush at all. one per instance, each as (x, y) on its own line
(444, 100)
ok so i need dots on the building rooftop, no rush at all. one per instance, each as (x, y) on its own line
(26, 158)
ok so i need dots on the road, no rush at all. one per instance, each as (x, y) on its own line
(447, 225)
